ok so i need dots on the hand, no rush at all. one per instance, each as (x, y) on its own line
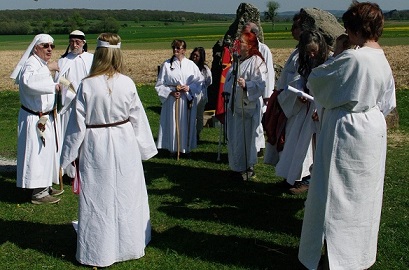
(315, 117)
(70, 171)
(341, 44)
(302, 99)
(183, 88)
(241, 82)
(175, 94)
(53, 66)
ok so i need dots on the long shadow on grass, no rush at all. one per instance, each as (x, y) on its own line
(58, 241)
(205, 195)
(9, 192)
(155, 109)
(230, 250)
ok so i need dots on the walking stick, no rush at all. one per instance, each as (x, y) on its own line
(177, 128)
(223, 127)
(60, 178)
(220, 142)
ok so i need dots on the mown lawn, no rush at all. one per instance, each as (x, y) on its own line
(201, 219)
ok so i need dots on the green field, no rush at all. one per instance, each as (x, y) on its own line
(200, 218)
(158, 35)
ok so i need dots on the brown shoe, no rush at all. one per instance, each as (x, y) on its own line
(55, 192)
(45, 200)
(299, 187)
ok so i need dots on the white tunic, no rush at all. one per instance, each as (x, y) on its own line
(37, 165)
(270, 76)
(183, 72)
(268, 90)
(287, 75)
(243, 115)
(201, 98)
(345, 196)
(297, 155)
(73, 67)
(113, 215)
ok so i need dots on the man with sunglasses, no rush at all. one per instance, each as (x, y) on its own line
(37, 149)
(74, 65)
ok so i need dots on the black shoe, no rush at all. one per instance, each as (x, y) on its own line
(299, 187)
(284, 184)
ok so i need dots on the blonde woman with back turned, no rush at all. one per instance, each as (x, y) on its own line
(110, 134)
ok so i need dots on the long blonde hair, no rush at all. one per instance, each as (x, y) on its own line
(107, 61)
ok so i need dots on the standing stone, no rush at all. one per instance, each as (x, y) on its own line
(322, 21)
(245, 13)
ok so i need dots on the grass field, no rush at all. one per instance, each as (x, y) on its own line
(157, 35)
(201, 219)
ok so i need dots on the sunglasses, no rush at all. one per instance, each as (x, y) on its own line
(46, 45)
(177, 48)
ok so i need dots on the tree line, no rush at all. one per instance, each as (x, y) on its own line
(61, 21)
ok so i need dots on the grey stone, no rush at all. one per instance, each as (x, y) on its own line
(323, 21)
(245, 13)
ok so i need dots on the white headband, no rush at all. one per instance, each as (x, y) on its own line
(105, 44)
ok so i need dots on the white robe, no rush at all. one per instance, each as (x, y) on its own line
(242, 131)
(297, 155)
(268, 90)
(73, 67)
(183, 72)
(113, 215)
(270, 76)
(201, 98)
(37, 165)
(287, 75)
(345, 196)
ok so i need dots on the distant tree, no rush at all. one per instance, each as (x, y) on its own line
(76, 21)
(108, 24)
(271, 12)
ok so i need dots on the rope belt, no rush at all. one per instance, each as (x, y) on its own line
(36, 113)
(108, 125)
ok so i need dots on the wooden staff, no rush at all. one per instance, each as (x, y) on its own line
(61, 179)
(177, 127)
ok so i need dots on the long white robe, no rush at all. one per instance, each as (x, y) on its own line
(268, 90)
(287, 75)
(113, 215)
(356, 90)
(270, 76)
(243, 117)
(37, 165)
(73, 67)
(201, 98)
(297, 155)
(183, 72)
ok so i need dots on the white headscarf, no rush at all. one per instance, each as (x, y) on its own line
(40, 38)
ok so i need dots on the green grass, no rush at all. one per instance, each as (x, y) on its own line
(200, 218)
(158, 35)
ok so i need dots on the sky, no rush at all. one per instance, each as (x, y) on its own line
(200, 6)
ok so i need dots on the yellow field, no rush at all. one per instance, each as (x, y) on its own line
(141, 65)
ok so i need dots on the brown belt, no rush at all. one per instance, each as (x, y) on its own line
(33, 112)
(108, 125)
